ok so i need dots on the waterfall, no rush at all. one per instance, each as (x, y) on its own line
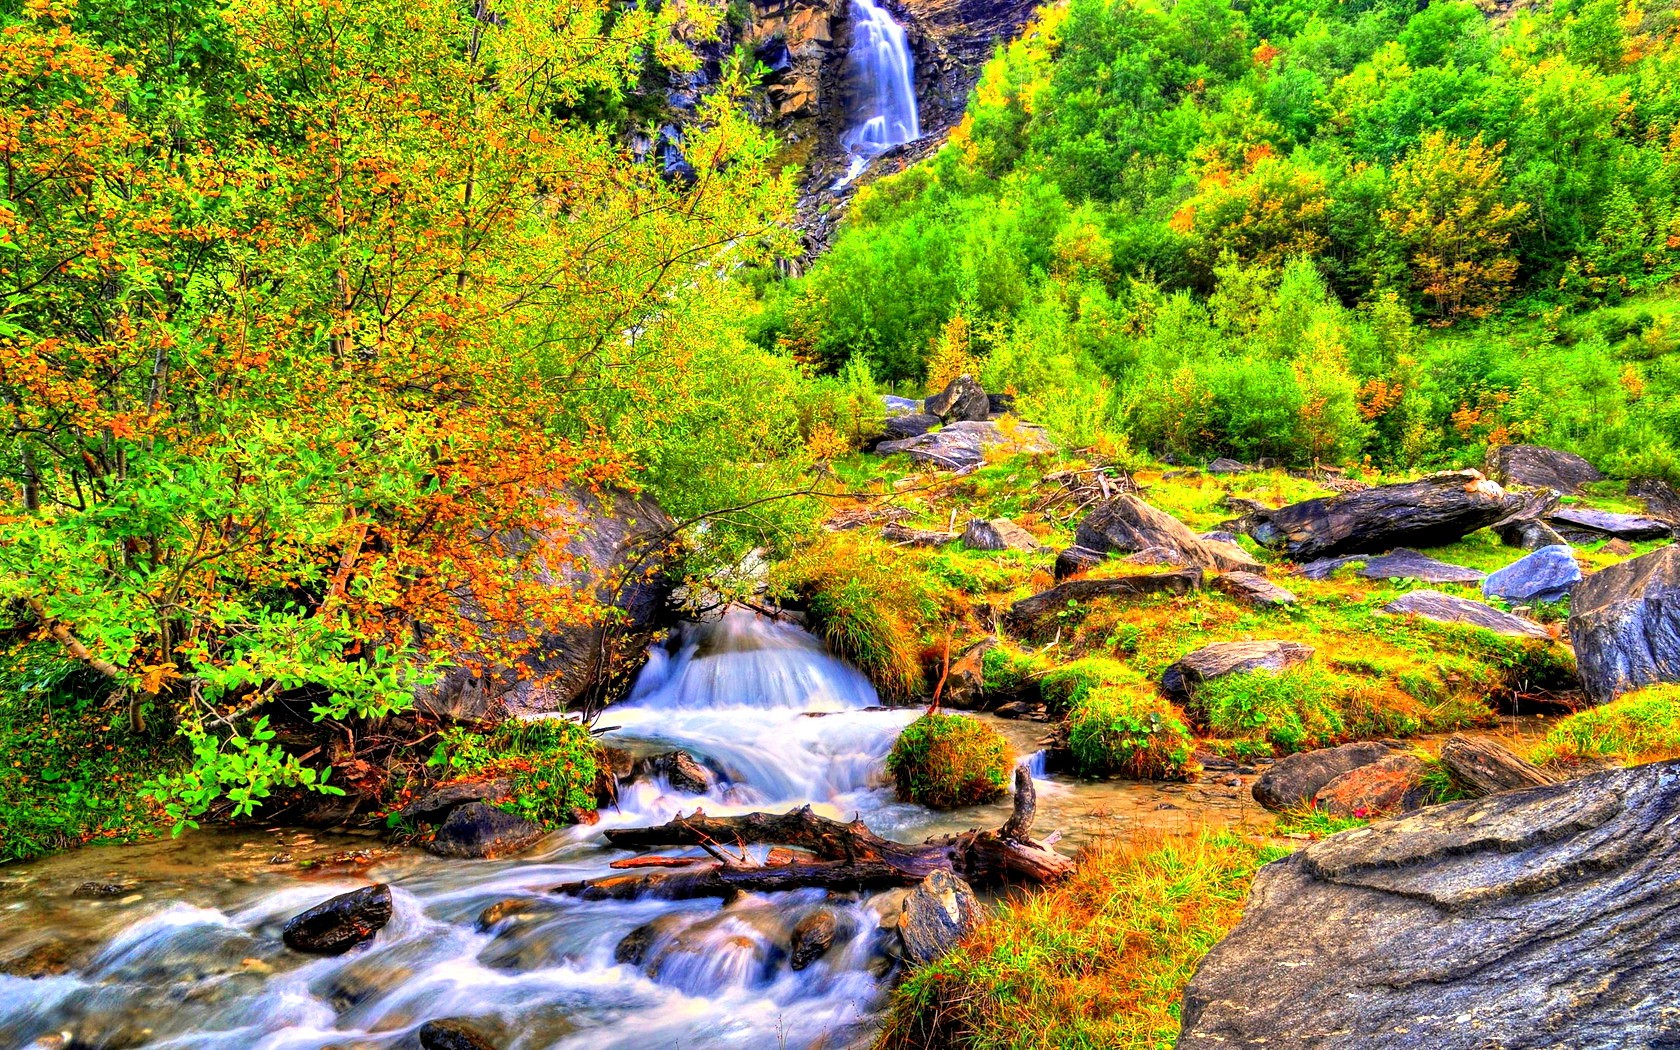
(881, 72)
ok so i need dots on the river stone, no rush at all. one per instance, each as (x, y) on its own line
(339, 923)
(478, 831)
(962, 399)
(452, 1035)
(1182, 679)
(1125, 524)
(1252, 588)
(1532, 919)
(1295, 779)
(1040, 613)
(1588, 526)
(1540, 467)
(1445, 608)
(1077, 559)
(908, 425)
(963, 445)
(1372, 790)
(812, 936)
(633, 949)
(1430, 512)
(1544, 576)
(1625, 623)
(999, 534)
(683, 772)
(938, 913)
(1407, 564)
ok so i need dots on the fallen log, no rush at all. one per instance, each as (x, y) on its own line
(1483, 767)
(845, 856)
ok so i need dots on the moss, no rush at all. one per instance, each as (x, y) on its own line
(1642, 726)
(552, 762)
(1068, 685)
(1129, 731)
(947, 761)
(1005, 670)
(1307, 707)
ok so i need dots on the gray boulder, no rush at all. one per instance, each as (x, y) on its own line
(907, 425)
(339, 923)
(1584, 525)
(1445, 608)
(999, 534)
(683, 772)
(1181, 680)
(1295, 779)
(1077, 559)
(1406, 564)
(1000, 404)
(1252, 588)
(1223, 465)
(938, 913)
(1125, 524)
(963, 445)
(962, 399)
(1544, 576)
(1540, 467)
(1527, 920)
(1625, 623)
(1039, 614)
(478, 831)
(1430, 512)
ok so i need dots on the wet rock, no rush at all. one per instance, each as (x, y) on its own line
(908, 425)
(683, 771)
(1544, 576)
(1252, 588)
(1295, 779)
(812, 936)
(633, 949)
(1527, 534)
(495, 914)
(1125, 524)
(964, 445)
(1372, 790)
(965, 682)
(452, 1035)
(340, 923)
(1405, 564)
(479, 831)
(1625, 623)
(1021, 709)
(1539, 467)
(999, 534)
(1430, 512)
(1537, 918)
(437, 803)
(938, 913)
(962, 399)
(1181, 680)
(1445, 608)
(1584, 525)
(1224, 465)
(1076, 560)
(98, 890)
(1040, 613)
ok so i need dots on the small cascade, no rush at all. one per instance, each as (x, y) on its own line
(881, 72)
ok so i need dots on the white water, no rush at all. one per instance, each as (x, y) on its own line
(881, 72)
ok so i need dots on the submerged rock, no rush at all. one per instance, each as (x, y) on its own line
(1445, 608)
(1252, 588)
(1128, 525)
(339, 923)
(938, 913)
(480, 831)
(1295, 779)
(812, 936)
(1531, 919)
(1540, 467)
(1544, 576)
(452, 1035)
(1430, 512)
(1625, 623)
(1181, 680)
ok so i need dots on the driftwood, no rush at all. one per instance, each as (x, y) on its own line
(842, 856)
(1483, 767)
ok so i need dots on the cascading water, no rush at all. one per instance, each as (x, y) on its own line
(881, 73)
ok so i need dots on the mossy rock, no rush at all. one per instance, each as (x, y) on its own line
(1129, 731)
(947, 761)
(550, 765)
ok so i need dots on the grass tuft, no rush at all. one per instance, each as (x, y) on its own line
(947, 761)
(1129, 731)
(1642, 726)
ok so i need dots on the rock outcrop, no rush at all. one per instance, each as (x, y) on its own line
(1430, 512)
(339, 923)
(1038, 614)
(1540, 467)
(1126, 524)
(1526, 920)
(1181, 680)
(1446, 608)
(1625, 623)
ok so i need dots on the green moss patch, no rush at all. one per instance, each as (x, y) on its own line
(1642, 726)
(947, 761)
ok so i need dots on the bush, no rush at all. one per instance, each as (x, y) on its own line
(1069, 685)
(553, 763)
(1307, 707)
(946, 761)
(1131, 732)
(1642, 726)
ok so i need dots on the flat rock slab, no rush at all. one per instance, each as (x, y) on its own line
(1540, 467)
(1430, 512)
(1295, 779)
(1445, 608)
(1532, 919)
(1126, 524)
(1625, 623)
(963, 445)
(1589, 525)
(1544, 576)
(1181, 680)
(1407, 564)
(906, 536)
(1252, 588)
(1040, 614)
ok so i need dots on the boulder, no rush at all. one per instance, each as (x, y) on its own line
(477, 830)
(1544, 576)
(452, 1035)
(1584, 525)
(1531, 919)
(812, 936)
(964, 445)
(1660, 498)
(1031, 617)
(437, 803)
(936, 914)
(999, 534)
(1527, 534)
(907, 425)
(1407, 564)
(1222, 465)
(1372, 790)
(1444, 608)
(1181, 680)
(1482, 767)
(1296, 779)
(1625, 623)
(683, 772)
(1125, 524)
(965, 681)
(339, 923)
(1539, 467)
(1077, 559)
(1430, 512)
(1253, 589)
(962, 399)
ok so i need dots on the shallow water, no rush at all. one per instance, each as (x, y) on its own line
(176, 943)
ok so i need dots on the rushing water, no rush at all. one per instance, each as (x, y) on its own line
(881, 72)
(179, 946)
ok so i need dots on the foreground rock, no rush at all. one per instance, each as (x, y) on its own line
(1625, 623)
(1431, 512)
(1253, 589)
(480, 831)
(1544, 576)
(1040, 614)
(1387, 785)
(1540, 467)
(1128, 525)
(336, 925)
(1584, 525)
(1295, 779)
(964, 445)
(999, 534)
(1445, 608)
(1181, 680)
(937, 914)
(812, 936)
(1482, 767)
(1533, 919)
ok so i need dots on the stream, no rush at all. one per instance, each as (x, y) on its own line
(176, 943)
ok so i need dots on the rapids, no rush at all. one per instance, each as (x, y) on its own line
(175, 944)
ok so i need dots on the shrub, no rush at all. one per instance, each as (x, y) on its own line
(946, 761)
(1642, 726)
(1129, 731)
(1067, 686)
(1306, 707)
(553, 763)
